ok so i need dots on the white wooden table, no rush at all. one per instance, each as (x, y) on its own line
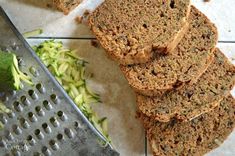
(119, 101)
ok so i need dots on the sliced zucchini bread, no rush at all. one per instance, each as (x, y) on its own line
(132, 30)
(66, 5)
(186, 64)
(195, 137)
(191, 101)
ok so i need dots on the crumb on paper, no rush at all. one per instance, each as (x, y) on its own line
(49, 5)
(86, 13)
(79, 19)
(95, 43)
(83, 19)
(206, 0)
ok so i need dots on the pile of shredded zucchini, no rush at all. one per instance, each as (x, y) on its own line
(69, 70)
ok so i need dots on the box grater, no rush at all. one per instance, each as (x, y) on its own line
(43, 119)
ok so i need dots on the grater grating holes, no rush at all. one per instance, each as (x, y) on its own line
(12, 92)
(32, 117)
(76, 124)
(39, 111)
(69, 132)
(17, 106)
(3, 119)
(8, 135)
(60, 137)
(61, 115)
(30, 140)
(5, 98)
(54, 121)
(25, 100)
(40, 88)
(32, 94)
(53, 145)
(54, 98)
(20, 61)
(24, 123)
(15, 152)
(47, 105)
(2, 142)
(11, 114)
(27, 59)
(15, 47)
(46, 151)
(46, 127)
(37, 154)
(16, 129)
(38, 134)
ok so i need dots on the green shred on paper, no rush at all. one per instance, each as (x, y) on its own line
(33, 33)
(69, 70)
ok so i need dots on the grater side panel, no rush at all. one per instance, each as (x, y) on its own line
(44, 120)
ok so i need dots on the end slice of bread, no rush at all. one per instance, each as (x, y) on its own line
(195, 137)
(191, 101)
(131, 30)
(185, 65)
(66, 5)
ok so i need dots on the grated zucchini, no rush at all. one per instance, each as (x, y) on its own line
(69, 70)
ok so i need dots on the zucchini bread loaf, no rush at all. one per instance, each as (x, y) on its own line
(194, 138)
(191, 101)
(132, 30)
(66, 5)
(186, 64)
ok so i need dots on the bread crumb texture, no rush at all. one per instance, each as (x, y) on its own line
(130, 30)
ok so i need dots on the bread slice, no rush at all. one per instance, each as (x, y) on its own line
(185, 65)
(194, 138)
(66, 5)
(129, 30)
(191, 101)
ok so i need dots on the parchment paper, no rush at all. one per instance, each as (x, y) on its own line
(31, 14)
(118, 99)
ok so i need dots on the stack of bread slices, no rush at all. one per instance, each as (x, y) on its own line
(167, 51)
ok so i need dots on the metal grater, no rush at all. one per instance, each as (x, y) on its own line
(44, 120)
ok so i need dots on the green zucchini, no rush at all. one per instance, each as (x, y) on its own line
(10, 75)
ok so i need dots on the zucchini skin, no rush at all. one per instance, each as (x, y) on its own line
(8, 74)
